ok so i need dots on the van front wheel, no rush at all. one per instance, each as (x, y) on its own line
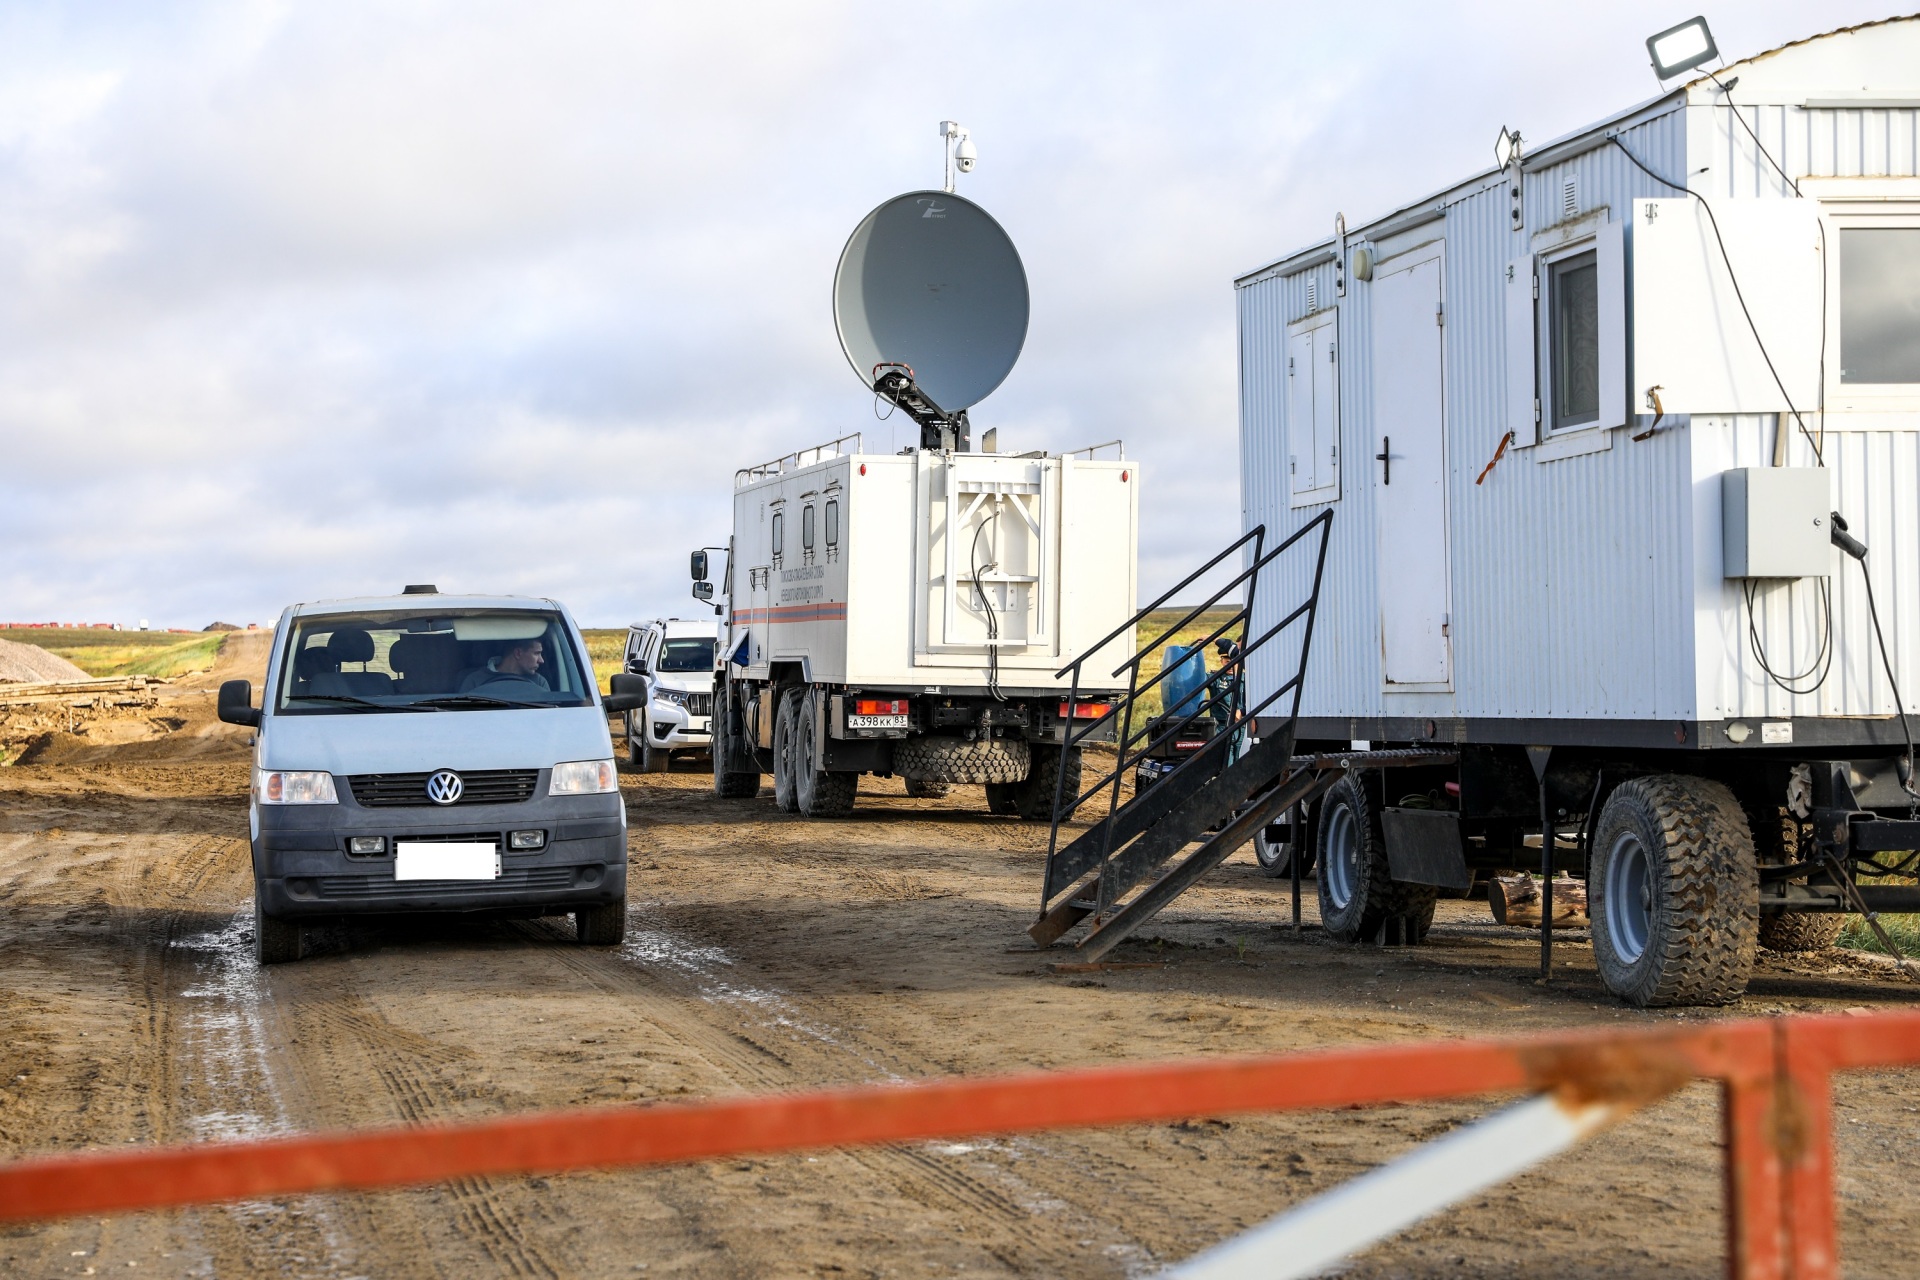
(275, 941)
(602, 926)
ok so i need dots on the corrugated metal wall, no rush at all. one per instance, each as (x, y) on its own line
(1876, 472)
(1572, 581)
(1591, 587)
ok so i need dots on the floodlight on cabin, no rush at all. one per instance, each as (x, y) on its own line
(1681, 48)
(1506, 147)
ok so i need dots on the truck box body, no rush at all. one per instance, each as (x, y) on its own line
(860, 570)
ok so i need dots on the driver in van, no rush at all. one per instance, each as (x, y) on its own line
(521, 661)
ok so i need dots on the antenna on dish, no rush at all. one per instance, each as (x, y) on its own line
(957, 144)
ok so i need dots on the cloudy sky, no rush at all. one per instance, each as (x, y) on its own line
(305, 300)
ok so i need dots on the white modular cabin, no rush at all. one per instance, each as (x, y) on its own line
(903, 571)
(1591, 586)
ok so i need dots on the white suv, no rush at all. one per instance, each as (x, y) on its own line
(675, 657)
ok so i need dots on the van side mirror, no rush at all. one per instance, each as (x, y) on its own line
(699, 566)
(629, 694)
(703, 591)
(236, 704)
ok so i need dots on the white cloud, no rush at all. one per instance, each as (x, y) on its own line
(300, 301)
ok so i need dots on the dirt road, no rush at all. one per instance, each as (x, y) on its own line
(765, 953)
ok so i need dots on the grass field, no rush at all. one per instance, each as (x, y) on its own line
(1903, 929)
(606, 649)
(124, 653)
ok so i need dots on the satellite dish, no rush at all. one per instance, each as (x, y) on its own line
(929, 280)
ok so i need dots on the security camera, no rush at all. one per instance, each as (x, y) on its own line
(964, 156)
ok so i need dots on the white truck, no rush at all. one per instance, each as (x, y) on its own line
(905, 614)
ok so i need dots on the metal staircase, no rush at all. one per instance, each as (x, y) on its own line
(1136, 858)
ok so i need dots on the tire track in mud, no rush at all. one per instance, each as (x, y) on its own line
(410, 1068)
(767, 1043)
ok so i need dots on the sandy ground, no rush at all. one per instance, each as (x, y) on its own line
(765, 953)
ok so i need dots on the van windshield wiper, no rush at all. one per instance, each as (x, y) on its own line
(475, 700)
(358, 704)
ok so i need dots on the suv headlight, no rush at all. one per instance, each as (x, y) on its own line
(675, 696)
(294, 786)
(583, 778)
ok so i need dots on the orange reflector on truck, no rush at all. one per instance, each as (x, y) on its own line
(1086, 710)
(880, 706)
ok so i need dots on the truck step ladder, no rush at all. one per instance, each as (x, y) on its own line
(1135, 859)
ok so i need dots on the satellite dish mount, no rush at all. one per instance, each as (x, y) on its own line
(893, 382)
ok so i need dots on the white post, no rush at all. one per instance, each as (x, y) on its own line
(1307, 1239)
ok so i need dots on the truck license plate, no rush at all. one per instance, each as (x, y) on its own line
(429, 860)
(877, 722)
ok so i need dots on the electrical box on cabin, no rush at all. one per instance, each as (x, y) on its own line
(1774, 522)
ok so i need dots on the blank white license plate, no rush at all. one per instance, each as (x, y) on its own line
(876, 722)
(420, 860)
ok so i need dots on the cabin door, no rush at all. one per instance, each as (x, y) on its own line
(1410, 471)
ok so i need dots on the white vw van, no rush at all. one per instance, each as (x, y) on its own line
(425, 752)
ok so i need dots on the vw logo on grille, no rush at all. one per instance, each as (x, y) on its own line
(445, 787)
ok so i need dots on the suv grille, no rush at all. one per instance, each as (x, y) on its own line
(699, 704)
(481, 786)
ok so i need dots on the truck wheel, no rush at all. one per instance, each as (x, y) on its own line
(1674, 893)
(1273, 847)
(818, 794)
(1358, 897)
(1801, 930)
(601, 926)
(727, 783)
(636, 743)
(786, 723)
(275, 941)
(945, 758)
(1003, 798)
(924, 789)
(1054, 769)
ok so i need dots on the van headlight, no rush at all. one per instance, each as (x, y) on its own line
(294, 786)
(583, 778)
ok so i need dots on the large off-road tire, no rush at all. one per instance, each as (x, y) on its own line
(276, 941)
(1274, 846)
(1674, 893)
(786, 744)
(817, 794)
(728, 784)
(602, 926)
(1359, 900)
(1801, 930)
(926, 789)
(1054, 770)
(943, 758)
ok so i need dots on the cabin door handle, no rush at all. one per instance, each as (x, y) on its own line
(1385, 459)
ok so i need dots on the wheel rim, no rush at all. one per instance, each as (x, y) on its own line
(1342, 870)
(1629, 897)
(1270, 844)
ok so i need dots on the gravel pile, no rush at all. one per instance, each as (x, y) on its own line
(30, 664)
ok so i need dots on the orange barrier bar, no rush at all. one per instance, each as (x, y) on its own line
(1775, 1074)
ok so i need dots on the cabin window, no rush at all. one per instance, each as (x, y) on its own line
(833, 526)
(806, 534)
(1573, 328)
(1312, 410)
(1880, 305)
(777, 534)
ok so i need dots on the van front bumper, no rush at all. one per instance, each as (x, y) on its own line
(302, 868)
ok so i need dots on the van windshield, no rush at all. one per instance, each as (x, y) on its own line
(689, 653)
(468, 660)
